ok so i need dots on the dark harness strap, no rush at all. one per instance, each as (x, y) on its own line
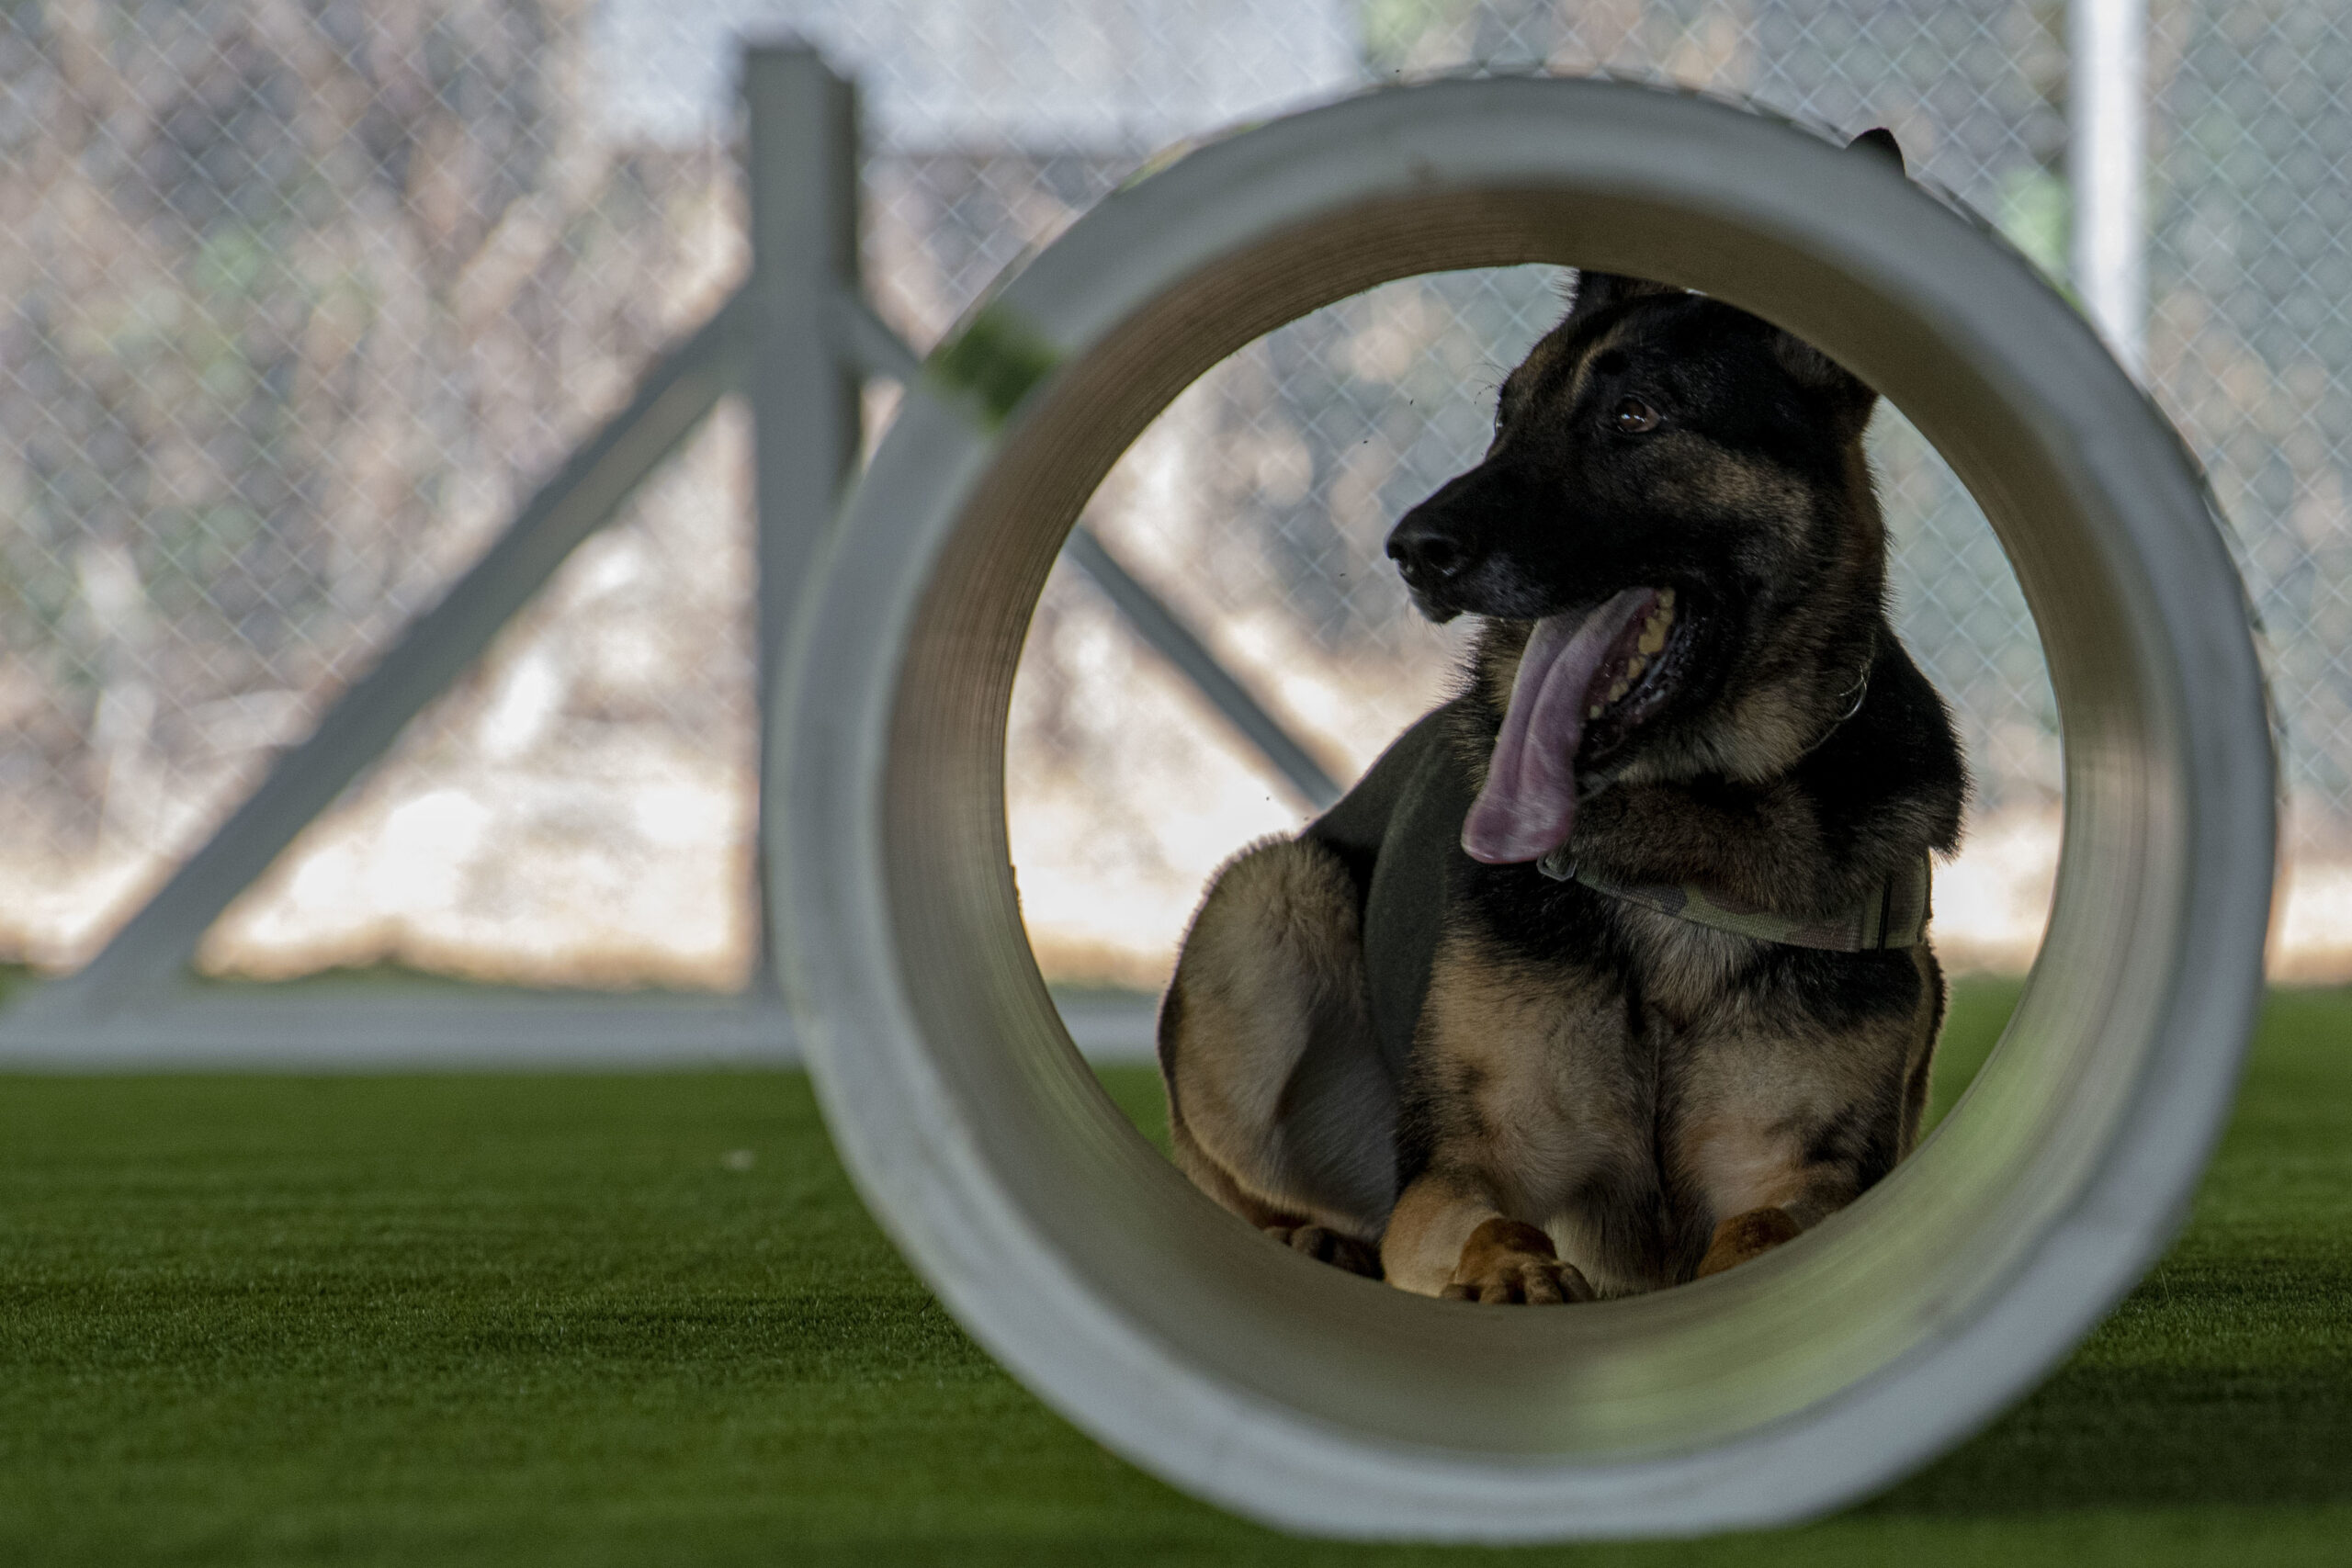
(1397, 832)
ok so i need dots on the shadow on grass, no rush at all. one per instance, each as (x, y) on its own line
(2221, 1380)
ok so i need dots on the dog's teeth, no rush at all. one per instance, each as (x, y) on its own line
(1619, 690)
(1666, 598)
(1634, 670)
(1593, 712)
(1652, 638)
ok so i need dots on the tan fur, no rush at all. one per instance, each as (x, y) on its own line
(1919, 1064)
(1755, 1094)
(1592, 351)
(1747, 1236)
(1277, 1106)
(1541, 1102)
(1741, 1165)
(1549, 1120)
(1510, 1260)
(1706, 480)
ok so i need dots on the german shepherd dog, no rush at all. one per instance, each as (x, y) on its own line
(1469, 1031)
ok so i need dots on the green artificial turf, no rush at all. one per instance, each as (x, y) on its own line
(614, 1319)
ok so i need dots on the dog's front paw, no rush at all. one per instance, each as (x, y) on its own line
(1327, 1246)
(1746, 1235)
(1522, 1277)
(1509, 1260)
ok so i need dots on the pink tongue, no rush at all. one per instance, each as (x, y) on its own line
(1529, 805)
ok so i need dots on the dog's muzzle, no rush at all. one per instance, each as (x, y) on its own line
(1429, 557)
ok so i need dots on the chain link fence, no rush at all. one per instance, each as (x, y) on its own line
(300, 298)
(301, 295)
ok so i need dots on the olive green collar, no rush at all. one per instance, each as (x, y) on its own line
(1893, 914)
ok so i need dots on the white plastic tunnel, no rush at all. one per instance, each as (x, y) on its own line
(1298, 1394)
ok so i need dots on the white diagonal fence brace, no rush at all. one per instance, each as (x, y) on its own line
(798, 337)
(2105, 165)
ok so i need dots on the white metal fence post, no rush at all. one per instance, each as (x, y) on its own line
(800, 157)
(2105, 162)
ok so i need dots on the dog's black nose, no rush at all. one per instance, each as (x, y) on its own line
(1427, 553)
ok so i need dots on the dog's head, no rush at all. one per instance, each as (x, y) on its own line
(1675, 537)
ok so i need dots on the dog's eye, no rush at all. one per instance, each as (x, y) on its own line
(1632, 416)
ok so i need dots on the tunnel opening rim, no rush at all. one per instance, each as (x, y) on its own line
(938, 418)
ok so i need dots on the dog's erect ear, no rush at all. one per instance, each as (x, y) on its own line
(1881, 140)
(1596, 291)
(1849, 400)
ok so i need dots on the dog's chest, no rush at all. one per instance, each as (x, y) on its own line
(1570, 1065)
(1685, 975)
(1564, 1065)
